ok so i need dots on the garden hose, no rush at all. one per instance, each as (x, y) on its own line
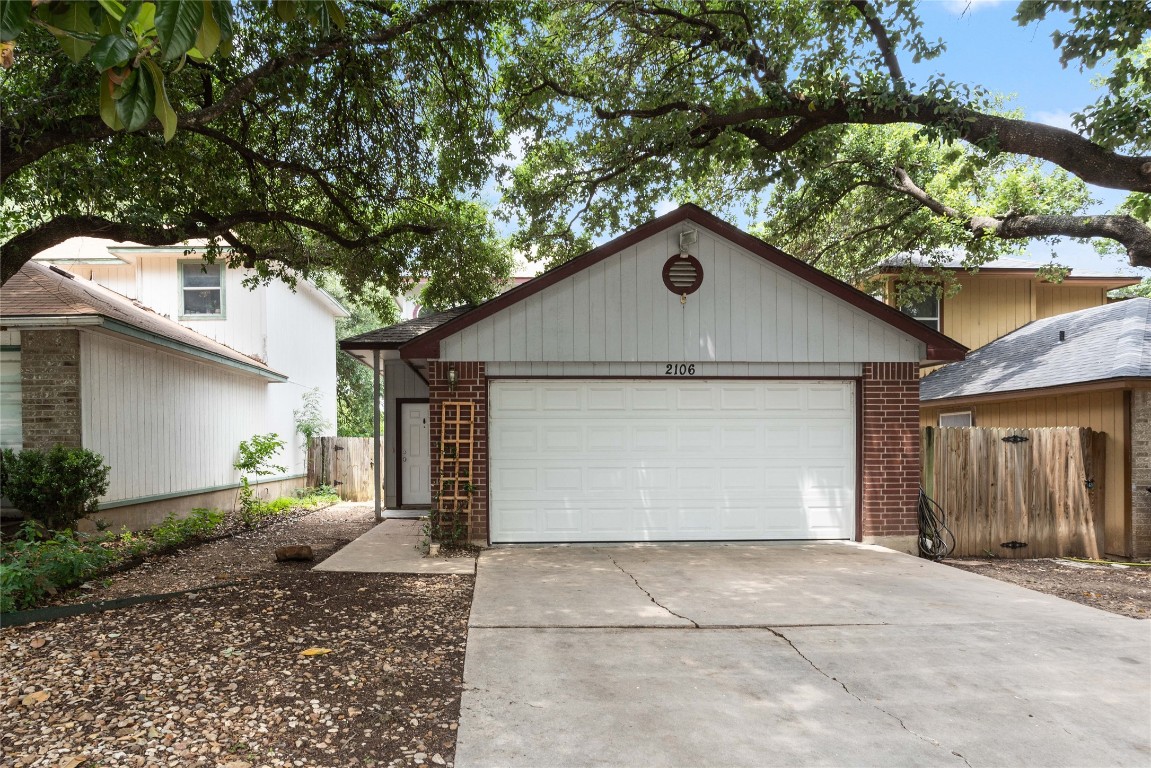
(936, 541)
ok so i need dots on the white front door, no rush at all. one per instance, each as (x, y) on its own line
(683, 460)
(415, 456)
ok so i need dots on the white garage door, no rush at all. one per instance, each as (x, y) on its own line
(616, 460)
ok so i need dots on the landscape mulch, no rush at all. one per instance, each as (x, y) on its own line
(274, 665)
(1125, 590)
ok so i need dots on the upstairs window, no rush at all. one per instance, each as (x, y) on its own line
(201, 291)
(925, 310)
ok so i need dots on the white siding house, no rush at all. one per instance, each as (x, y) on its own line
(682, 382)
(175, 362)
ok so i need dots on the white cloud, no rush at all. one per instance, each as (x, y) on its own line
(665, 206)
(961, 7)
(1057, 118)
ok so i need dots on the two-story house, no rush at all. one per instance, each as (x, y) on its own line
(1048, 354)
(161, 363)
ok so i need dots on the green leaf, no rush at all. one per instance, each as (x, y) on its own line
(113, 51)
(285, 9)
(335, 13)
(108, 104)
(131, 9)
(162, 108)
(208, 35)
(177, 25)
(13, 18)
(136, 100)
(222, 13)
(73, 29)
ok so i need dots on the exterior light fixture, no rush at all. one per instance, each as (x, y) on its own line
(453, 378)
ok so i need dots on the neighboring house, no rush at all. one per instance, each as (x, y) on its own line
(998, 298)
(685, 381)
(411, 308)
(1090, 368)
(162, 364)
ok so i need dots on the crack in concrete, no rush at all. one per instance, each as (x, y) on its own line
(649, 595)
(849, 692)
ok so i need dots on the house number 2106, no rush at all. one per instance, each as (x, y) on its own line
(682, 369)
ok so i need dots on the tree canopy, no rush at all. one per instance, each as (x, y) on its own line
(355, 136)
(344, 137)
(803, 112)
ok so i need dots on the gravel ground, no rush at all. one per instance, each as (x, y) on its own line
(1118, 589)
(218, 677)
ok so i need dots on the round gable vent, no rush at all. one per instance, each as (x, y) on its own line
(683, 274)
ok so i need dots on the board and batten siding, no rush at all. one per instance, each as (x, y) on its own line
(1101, 411)
(618, 310)
(400, 383)
(164, 424)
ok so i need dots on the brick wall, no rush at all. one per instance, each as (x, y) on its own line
(890, 449)
(1141, 473)
(472, 387)
(50, 388)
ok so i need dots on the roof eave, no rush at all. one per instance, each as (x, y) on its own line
(426, 345)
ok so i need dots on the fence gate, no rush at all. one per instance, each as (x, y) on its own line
(1018, 493)
(344, 463)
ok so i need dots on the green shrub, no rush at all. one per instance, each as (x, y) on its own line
(255, 458)
(30, 569)
(198, 525)
(56, 487)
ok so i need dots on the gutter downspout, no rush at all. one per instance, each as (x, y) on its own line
(377, 469)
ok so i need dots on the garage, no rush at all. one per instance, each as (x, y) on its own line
(683, 382)
(683, 460)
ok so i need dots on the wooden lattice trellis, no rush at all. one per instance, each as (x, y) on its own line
(457, 450)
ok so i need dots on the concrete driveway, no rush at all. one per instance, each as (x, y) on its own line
(789, 654)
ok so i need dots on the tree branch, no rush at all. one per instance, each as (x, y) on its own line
(15, 253)
(1133, 234)
(883, 42)
(87, 128)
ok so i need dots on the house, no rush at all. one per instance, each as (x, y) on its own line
(1090, 368)
(162, 364)
(685, 381)
(1001, 296)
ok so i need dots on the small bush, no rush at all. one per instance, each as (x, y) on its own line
(56, 487)
(174, 531)
(31, 569)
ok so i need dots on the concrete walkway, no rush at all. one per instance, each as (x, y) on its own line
(789, 655)
(392, 547)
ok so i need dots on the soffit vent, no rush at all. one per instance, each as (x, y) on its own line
(683, 274)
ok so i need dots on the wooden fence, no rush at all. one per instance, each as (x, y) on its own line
(344, 463)
(1042, 488)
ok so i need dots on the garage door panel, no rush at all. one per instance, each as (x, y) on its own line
(659, 461)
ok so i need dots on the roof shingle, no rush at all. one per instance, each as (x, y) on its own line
(39, 290)
(1101, 343)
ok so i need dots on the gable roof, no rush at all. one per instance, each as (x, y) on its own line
(40, 295)
(1112, 341)
(395, 336)
(939, 347)
(954, 261)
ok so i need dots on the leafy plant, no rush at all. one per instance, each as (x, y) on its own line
(310, 421)
(449, 527)
(55, 487)
(174, 531)
(255, 458)
(31, 569)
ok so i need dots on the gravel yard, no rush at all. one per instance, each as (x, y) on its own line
(218, 677)
(1118, 589)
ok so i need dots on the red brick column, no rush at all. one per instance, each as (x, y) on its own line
(471, 386)
(890, 453)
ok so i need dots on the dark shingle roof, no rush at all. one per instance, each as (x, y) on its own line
(1108, 342)
(394, 336)
(39, 290)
